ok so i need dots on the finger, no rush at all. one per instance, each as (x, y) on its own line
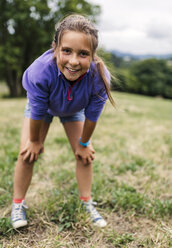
(23, 151)
(92, 157)
(32, 155)
(85, 162)
(89, 161)
(36, 157)
(77, 157)
(26, 156)
(92, 150)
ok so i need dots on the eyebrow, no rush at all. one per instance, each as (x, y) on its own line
(85, 51)
(82, 50)
(63, 48)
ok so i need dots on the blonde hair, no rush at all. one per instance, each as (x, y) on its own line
(81, 24)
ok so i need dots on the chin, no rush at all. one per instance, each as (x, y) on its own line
(72, 77)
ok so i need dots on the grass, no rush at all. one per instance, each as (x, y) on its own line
(132, 180)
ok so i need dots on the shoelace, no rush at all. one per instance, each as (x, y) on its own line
(92, 210)
(17, 213)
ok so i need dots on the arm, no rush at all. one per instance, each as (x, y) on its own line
(35, 126)
(86, 153)
(33, 146)
(88, 129)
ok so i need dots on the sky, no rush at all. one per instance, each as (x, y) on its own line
(136, 26)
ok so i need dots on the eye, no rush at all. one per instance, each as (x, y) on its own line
(84, 54)
(66, 50)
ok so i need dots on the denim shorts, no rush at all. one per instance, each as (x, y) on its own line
(78, 116)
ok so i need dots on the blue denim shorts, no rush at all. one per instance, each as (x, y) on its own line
(78, 116)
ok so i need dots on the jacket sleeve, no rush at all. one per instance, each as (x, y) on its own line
(98, 97)
(35, 81)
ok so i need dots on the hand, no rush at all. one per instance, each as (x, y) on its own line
(32, 150)
(85, 153)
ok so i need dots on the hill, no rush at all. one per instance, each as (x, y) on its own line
(130, 56)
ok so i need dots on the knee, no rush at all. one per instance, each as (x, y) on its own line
(22, 162)
(81, 162)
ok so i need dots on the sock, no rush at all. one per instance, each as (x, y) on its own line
(17, 200)
(85, 199)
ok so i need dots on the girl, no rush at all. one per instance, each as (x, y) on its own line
(69, 81)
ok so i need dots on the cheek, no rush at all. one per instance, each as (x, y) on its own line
(61, 59)
(86, 64)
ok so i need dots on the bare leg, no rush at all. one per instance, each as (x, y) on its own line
(83, 173)
(23, 171)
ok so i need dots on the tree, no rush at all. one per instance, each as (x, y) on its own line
(127, 81)
(117, 61)
(26, 30)
(154, 77)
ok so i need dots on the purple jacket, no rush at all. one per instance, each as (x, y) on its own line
(48, 90)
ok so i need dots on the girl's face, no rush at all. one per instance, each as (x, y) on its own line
(74, 54)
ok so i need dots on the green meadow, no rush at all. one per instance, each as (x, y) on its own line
(132, 179)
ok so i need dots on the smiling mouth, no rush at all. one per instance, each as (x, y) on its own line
(72, 70)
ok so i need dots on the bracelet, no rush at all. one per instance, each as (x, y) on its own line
(84, 144)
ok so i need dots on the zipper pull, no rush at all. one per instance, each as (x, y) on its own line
(69, 97)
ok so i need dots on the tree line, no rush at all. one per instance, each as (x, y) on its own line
(152, 77)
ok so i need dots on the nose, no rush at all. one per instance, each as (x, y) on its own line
(74, 60)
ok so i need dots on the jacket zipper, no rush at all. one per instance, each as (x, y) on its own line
(69, 97)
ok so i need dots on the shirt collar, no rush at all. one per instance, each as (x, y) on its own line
(59, 72)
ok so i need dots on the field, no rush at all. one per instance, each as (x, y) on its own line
(132, 180)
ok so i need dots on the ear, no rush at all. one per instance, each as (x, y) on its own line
(56, 51)
(53, 45)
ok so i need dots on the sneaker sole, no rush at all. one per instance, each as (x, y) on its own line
(101, 223)
(19, 223)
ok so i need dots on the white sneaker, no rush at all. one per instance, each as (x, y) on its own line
(94, 214)
(18, 215)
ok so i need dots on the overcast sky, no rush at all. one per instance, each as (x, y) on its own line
(136, 26)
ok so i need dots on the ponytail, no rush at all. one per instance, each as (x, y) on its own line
(101, 69)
